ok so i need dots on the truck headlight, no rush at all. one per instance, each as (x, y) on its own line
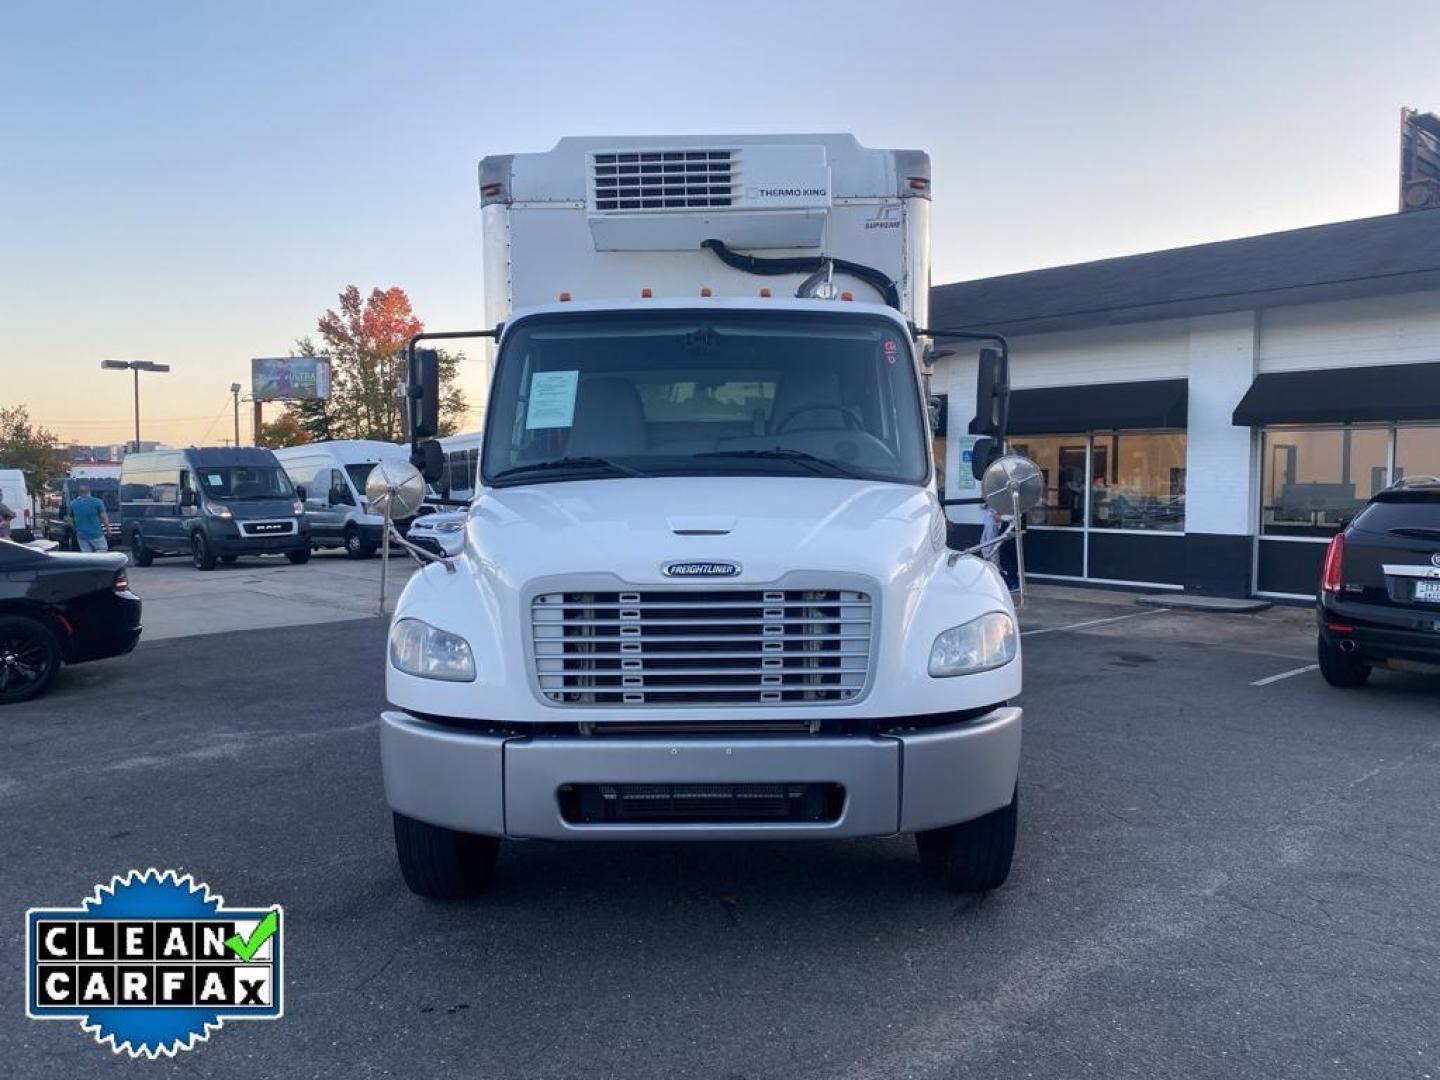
(219, 510)
(418, 648)
(449, 526)
(978, 645)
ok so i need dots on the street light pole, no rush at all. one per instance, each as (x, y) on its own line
(235, 393)
(134, 367)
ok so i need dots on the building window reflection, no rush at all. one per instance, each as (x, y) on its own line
(1061, 459)
(1315, 479)
(1129, 480)
(1138, 481)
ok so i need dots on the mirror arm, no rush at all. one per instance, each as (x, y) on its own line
(419, 554)
(1010, 532)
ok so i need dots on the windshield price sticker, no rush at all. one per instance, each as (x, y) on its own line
(152, 963)
(552, 399)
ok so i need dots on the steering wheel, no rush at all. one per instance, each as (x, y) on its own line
(851, 418)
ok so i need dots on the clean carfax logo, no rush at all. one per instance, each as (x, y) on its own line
(701, 568)
(152, 963)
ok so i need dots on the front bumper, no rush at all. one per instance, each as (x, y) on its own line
(262, 545)
(502, 785)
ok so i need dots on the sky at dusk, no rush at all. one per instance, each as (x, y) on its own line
(193, 183)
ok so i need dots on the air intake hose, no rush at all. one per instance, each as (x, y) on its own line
(754, 264)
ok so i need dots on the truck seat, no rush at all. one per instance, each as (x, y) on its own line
(608, 419)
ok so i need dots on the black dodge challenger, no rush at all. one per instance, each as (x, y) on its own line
(60, 608)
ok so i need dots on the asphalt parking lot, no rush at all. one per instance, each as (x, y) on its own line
(1219, 874)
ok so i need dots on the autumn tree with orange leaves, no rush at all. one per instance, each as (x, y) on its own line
(365, 340)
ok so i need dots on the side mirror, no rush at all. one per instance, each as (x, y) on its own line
(301, 492)
(429, 458)
(992, 395)
(188, 497)
(983, 455)
(424, 393)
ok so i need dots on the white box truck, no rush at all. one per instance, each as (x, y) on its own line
(705, 591)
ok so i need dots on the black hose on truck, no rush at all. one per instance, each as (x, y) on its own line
(755, 264)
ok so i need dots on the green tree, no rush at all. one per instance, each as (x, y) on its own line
(30, 448)
(365, 340)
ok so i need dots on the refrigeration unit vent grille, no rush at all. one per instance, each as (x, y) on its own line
(643, 181)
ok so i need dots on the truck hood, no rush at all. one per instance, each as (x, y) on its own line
(768, 525)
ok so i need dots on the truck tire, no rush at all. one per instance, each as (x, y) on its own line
(200, 553)
(140, 554)
(299, 558)
(356, 546)
(1340, 669)
(973, 856)
(443, 864)
(29, 658)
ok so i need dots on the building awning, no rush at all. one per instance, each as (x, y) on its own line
(1342, 395)
(1066, 410)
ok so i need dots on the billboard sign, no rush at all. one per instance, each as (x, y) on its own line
(290, 378)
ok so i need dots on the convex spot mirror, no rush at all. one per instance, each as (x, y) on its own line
(1012, 484)
(395, 487)
(429, 458)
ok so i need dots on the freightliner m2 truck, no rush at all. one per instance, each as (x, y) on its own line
(705, 592)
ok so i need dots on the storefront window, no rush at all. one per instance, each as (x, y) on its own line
(1417, 451)
(1062, 459)
(1315, 479)
(1138, 481)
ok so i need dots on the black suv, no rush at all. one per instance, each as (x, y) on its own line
(1380, 586)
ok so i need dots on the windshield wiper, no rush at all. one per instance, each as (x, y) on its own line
(815, 464)
(1421, 532)
(578, 464)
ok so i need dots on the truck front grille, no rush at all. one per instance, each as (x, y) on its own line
(644, 180)
(659, 803)
(711, 647)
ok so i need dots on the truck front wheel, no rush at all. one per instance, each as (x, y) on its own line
(443, 864)
(973, 856)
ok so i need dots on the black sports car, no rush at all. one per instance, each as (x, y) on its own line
(60, 609)
(1380, 586)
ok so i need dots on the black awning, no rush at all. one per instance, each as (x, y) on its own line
(1066, 410)
(1340, 395)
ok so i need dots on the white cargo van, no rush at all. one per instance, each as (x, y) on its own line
(332, 476)
(16, 496)
(704, 591)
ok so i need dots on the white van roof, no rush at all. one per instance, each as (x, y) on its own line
(348, 451)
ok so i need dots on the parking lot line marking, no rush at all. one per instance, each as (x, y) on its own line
(1092, 622)
(1286, 675)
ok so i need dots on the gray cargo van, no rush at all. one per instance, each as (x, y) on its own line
(211, 503)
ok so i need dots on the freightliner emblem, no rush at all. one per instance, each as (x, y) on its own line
(701, 568)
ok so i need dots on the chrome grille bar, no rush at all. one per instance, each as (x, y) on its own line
(697, 647)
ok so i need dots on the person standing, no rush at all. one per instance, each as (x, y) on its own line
(6, 516)
(89, 520)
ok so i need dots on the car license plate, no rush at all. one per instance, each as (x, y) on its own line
(1428, 591)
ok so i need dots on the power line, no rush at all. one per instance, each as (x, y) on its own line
(223, 409)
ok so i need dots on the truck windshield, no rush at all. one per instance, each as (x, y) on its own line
(689, 393)
(239, 482)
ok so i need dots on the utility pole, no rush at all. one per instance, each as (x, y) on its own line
(235, 393)
(134, 367)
